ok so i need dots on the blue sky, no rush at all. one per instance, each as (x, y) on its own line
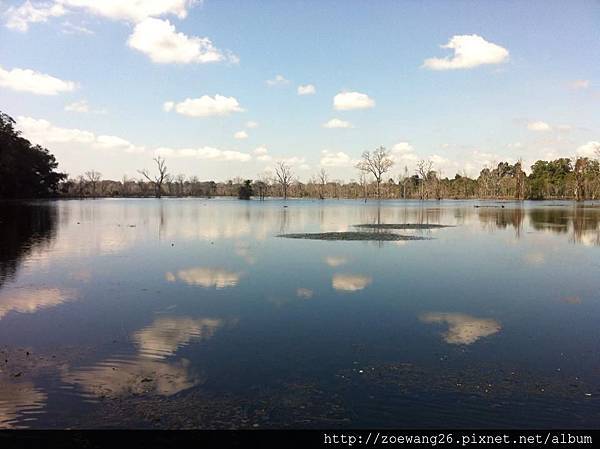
(103, 84)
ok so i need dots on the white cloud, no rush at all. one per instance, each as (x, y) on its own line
(307, 89)
(345, 101)
(337, 123)
(240, 135)
(279, 80)
(259, 151)
(83, 107)
(78, 106)
(26, 80)
(335, 159)
(159, 40)
(205, 106)
(538, 126)
(579, 84)
(402, 148)
(40, 131)
(250, 124)
(116, 143)
(590, 149)
(438, 160)
(132, 10)
(20, 18)
(403, 153)
(261, 154)
(206, 152)
(294, 161)
(469, 51)
(72, 28)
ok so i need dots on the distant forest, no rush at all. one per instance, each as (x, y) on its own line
(29, 171)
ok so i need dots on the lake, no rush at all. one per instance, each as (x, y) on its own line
(195, 313)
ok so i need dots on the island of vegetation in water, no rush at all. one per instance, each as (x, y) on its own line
(402, 226)
(372, 236)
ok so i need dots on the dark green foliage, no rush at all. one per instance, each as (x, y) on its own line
(26, 170)
(246, 191)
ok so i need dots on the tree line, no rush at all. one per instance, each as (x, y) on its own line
(562, 178)
(30, 171)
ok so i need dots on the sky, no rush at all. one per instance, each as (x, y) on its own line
(228, 88)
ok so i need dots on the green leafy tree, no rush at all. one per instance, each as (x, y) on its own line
(26, 170)
(246, 191)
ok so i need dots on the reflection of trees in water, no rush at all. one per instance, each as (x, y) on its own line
(580, 222)
(23, 227)
(502, 218)
(549, 218)
(585, 226)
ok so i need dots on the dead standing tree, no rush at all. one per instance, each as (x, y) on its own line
(158, 179)
(93, 178)
(376, 163)
(322, 177)
(424, 171)
(284, 176)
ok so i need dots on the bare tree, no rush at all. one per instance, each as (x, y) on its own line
(403, 180)
(364, 183)
(284, 176)
(125, 183)
(424, 170)
(180, 180)
(94, 178)
(322, 177)
(80, 186)
(158, 179)
(376, 163)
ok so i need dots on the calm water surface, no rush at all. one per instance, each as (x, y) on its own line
(185, 313)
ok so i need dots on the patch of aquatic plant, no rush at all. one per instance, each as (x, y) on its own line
(376, 236)
(402, 226)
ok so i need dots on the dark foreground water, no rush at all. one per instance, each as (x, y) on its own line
(193, 313)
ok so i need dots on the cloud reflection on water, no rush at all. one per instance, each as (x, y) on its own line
(30, 300)
(205, 277)
(350, 282)
(166, 335)
(18, 399)
(148, 372)
(462, 329)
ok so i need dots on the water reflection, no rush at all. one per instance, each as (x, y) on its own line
(305, 293)
(350, 282)
(462, 329)
(205, 277)
(131, 376)
(335, 261)
(23, 229)
(148, 372)
(131, 264)
(19, 403)
(29, 300)
(166, 335)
